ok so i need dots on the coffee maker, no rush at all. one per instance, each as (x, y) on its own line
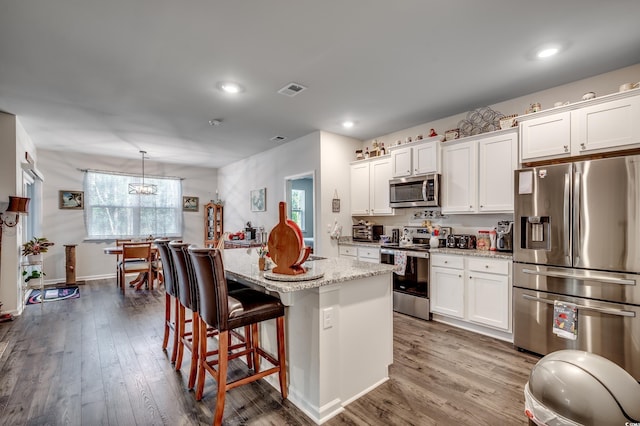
(504, 237)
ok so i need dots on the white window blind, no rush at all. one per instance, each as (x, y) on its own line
(111, 212)
(298, 208)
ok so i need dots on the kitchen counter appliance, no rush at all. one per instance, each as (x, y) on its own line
(577, 259)
(367, 233)
(415, 191)
(461, 241)
(411, 290)
(504, 237)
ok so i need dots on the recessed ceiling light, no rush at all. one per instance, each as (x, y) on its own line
(547, 52)
(230, 87)
(347, 124)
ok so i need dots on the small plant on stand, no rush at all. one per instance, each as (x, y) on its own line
(263, 253)
(35, 247)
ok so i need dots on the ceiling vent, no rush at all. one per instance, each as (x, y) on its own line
(278, 138)
(291, 89)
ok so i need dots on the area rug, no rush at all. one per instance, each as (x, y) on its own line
(53, 294)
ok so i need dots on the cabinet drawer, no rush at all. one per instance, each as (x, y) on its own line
(368, 253)
(447, 261)
(492, 266)
(348, 251)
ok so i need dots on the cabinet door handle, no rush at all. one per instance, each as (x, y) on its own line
(446, 261)
(566, 148)
(582, 147)
(459, 276)
(486, 266)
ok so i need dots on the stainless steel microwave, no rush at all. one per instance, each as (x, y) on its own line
(415, 191)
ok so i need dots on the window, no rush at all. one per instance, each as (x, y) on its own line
(111, 212)
(297, 207)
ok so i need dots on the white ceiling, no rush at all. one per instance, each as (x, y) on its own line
(113, 77)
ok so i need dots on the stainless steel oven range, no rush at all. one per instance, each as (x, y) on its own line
(411, 289)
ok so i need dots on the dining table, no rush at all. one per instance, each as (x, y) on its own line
(143, 277)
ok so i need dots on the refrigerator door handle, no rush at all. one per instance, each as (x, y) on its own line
(566, 208)
(601, 278)
(618, 312)
(577, 224)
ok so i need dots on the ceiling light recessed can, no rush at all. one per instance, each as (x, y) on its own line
(547, 52)
(347, 124)
(230, 87)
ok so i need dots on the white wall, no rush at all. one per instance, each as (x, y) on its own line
(336, 154)
(14, 142)
(61, 172)
(266, 170)
(602, 84)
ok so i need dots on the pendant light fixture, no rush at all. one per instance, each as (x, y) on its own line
(143, 188)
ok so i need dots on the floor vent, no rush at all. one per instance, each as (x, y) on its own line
(278, 138)
(291, 89)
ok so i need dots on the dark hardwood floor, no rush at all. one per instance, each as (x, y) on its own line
(98, 360)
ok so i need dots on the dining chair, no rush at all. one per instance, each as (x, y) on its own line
(136, 258)
(225, 311)
(171, 295)
(119, 243)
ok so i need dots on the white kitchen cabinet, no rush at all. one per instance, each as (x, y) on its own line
(497, 159)
(609, 126)
(459, 173)
(419, 159)
(477, 174)
(370, 187)
(350, 252)
(369, 254)
(401, 161)
(447, 285)
(473, 289)
(586, 128)
(546, 137)
(363, 253)
(488, 292)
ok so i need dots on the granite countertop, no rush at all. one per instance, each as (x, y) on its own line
(476, 253)
(243, 266)
(348, 241)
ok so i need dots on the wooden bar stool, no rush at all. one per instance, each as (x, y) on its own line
(225, 311)
(170, 295)
(188, 297)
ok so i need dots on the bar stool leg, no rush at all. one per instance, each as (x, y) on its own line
(255, 344)
(167, 320)
(282, 357)
(202, 360)
(195, 349)
(180, 333)
(176, 308)
(221, 377)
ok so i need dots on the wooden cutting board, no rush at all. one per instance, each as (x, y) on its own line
(285, 245)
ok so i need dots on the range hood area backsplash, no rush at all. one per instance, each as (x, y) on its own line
(460, 223)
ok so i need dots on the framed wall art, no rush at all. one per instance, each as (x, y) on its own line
(259, 200)
(190, 203)
(71, 200)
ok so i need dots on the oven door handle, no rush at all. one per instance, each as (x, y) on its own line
(601, 278)
(609, 311)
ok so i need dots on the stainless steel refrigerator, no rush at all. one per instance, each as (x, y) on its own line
(577, 247)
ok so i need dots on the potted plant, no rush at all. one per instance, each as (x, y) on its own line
(34, 248)
(34, 275)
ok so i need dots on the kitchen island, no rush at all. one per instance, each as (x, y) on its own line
(339, 328)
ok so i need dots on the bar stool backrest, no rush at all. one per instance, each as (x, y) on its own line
(187, 293)
(168, 266)
(212, 285)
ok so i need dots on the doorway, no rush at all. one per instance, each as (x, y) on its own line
(300, 195)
